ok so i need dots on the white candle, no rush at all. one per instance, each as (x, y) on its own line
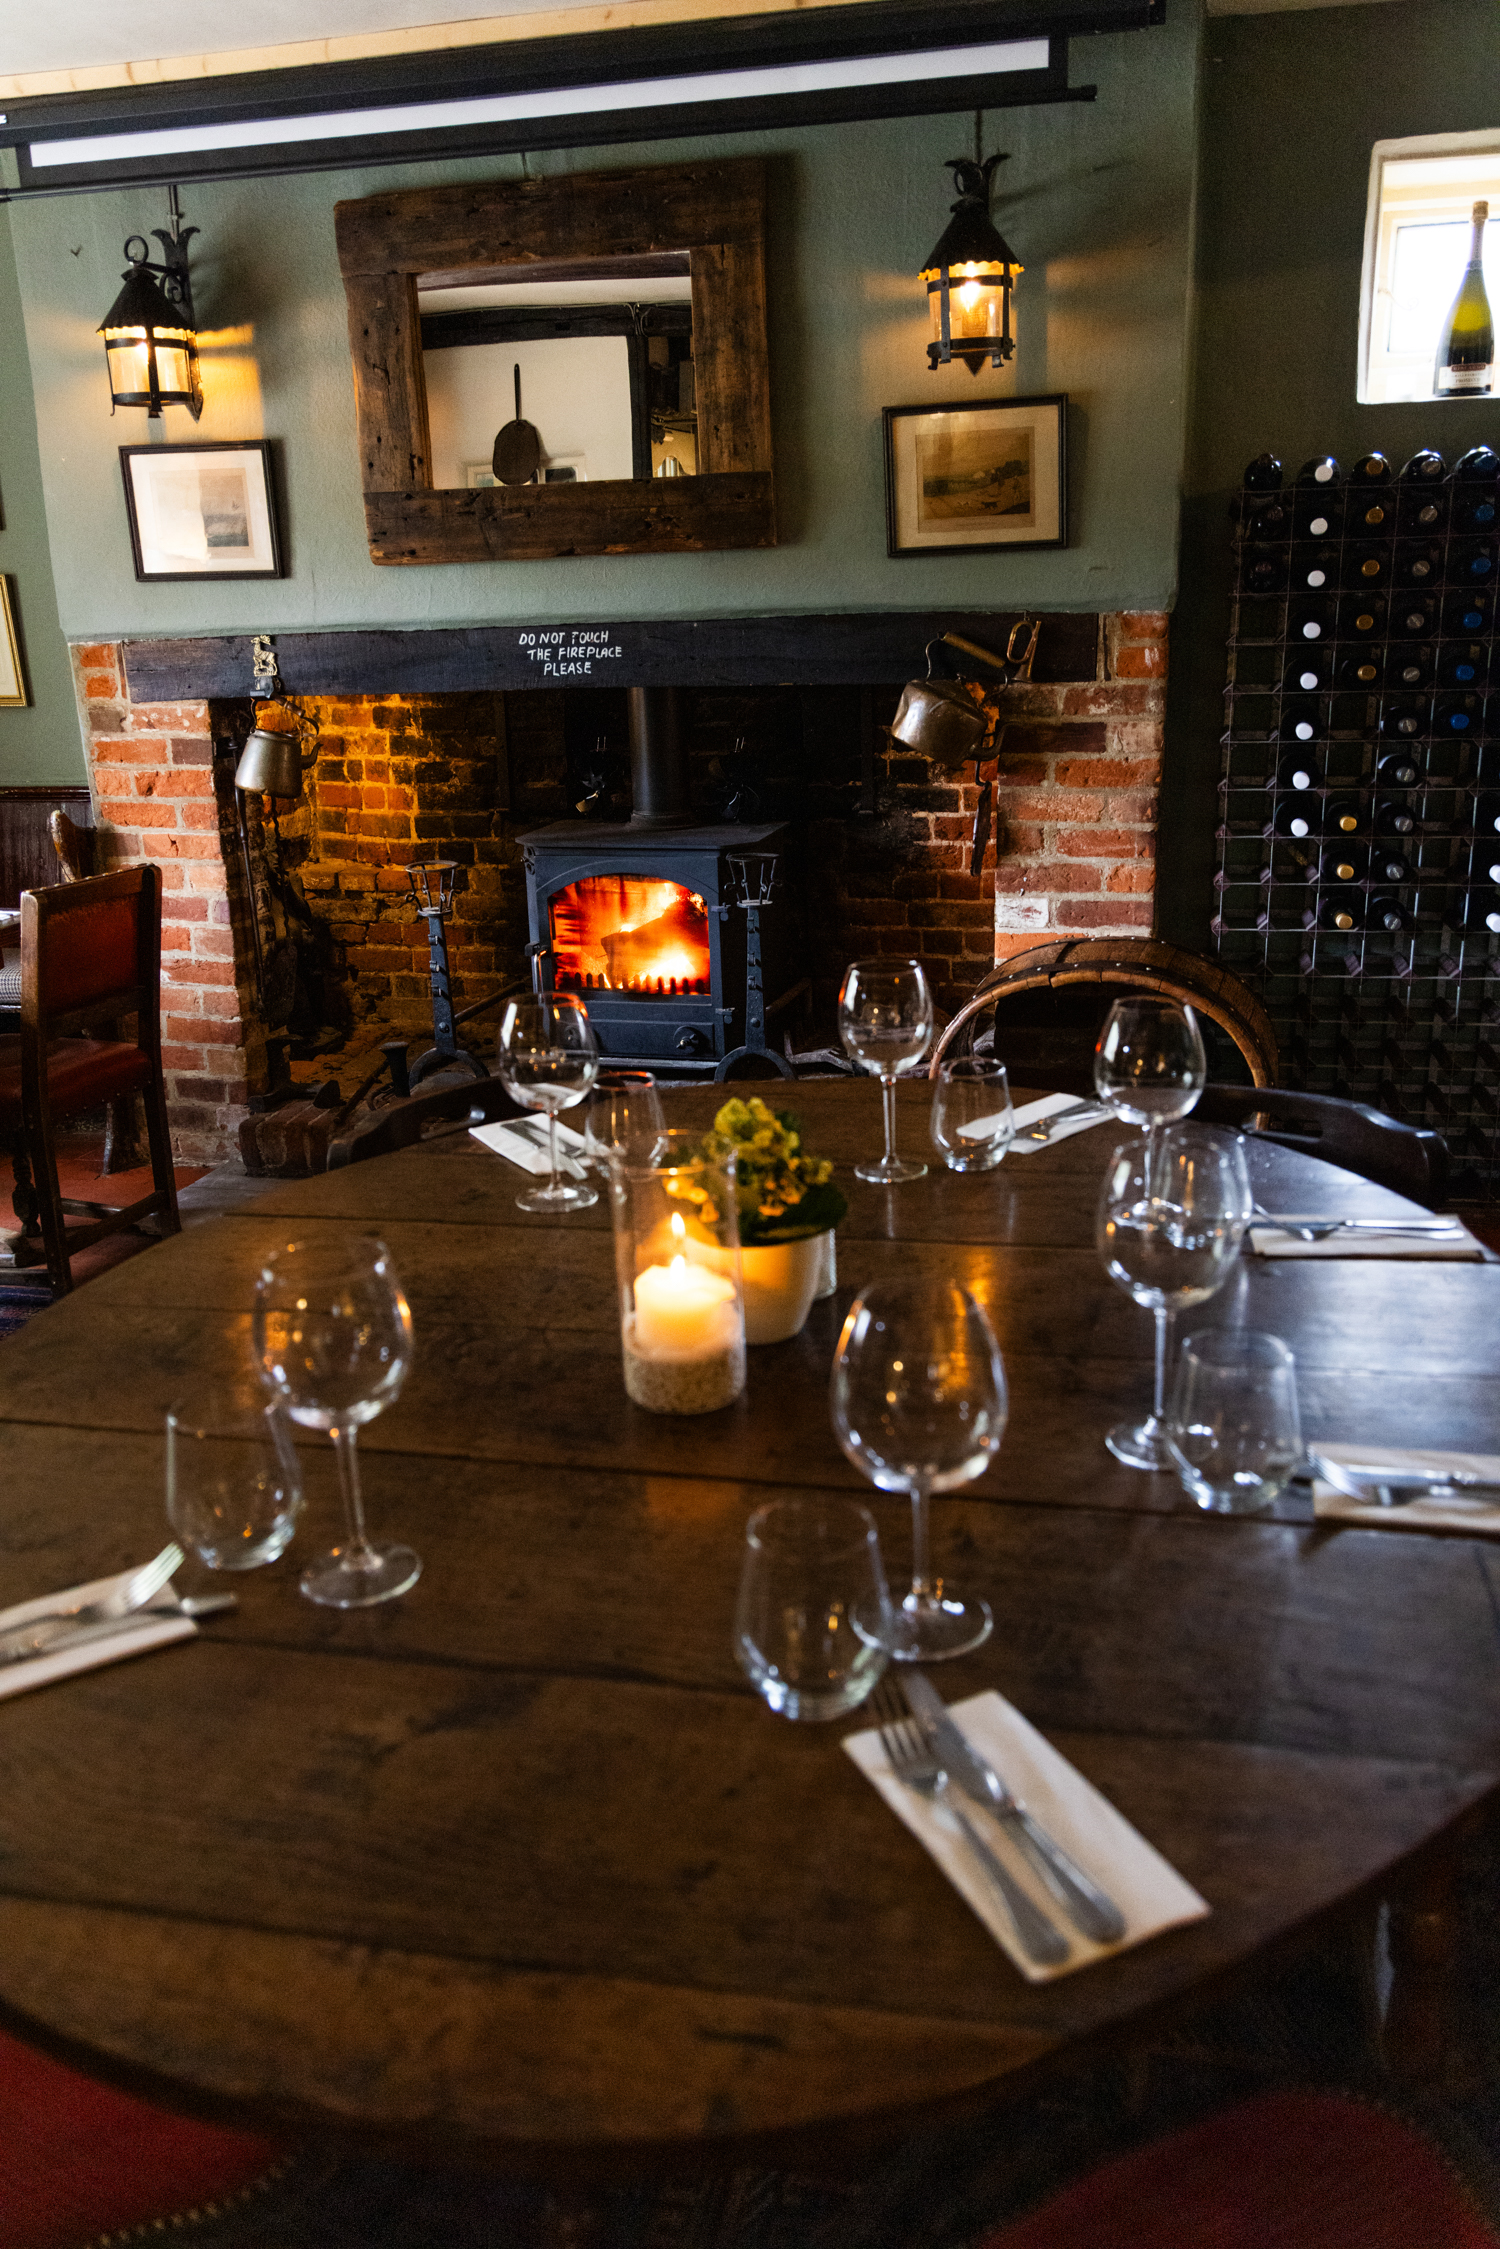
(680, 1310)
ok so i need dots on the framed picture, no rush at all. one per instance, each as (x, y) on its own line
(201, 511)
(976, 479)
(13, 695)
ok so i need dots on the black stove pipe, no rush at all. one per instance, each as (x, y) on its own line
(658, 761)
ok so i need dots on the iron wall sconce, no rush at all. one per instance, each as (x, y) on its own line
(150, 333)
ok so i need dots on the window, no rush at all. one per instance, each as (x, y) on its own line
(1422, 193)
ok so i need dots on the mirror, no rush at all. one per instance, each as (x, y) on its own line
(573, 365)
(600, 354)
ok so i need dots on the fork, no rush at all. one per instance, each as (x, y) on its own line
(135, 1591)
(1321, 1229)
(1045, 1127)
(915, 1766)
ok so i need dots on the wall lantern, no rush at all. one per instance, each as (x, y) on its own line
(970, 275)
(150, 335)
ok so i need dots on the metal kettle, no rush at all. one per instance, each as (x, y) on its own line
(276, 755)
(951, 720)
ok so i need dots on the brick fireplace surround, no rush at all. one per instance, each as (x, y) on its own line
(466, 774)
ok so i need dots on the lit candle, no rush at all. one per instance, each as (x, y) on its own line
(680, 1308)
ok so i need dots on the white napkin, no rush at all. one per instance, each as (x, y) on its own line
(525, 1144)
(1036, 1112)
(1151, 1894)
(1274, 1241)
(131, 1640)
(1480, 1515)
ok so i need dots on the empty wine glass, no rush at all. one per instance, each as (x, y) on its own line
(332, 1337)
(918, 1404)
(1149, 1064)
(1235, 1431)
(624, 1118)
(885, 1022)
(1171, 1218)
(548, 1059)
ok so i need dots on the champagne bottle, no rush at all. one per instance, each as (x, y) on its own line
(1466, 347)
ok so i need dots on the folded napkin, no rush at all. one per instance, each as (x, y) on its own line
(1480, 1515)
(1151, 1894)
(132, 1639)
(1274, 1241)
(1037, 1112)
(524, 1142)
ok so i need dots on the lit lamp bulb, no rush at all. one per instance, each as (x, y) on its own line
(969, 277)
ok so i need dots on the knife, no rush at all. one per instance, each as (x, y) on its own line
(535, 1135)
(39, 1641)
(1082, 1900)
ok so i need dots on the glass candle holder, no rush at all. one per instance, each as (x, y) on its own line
(677, 1259)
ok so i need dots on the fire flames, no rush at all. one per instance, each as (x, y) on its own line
(630, 933)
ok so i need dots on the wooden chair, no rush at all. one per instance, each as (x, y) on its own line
(90, 951)
(405, 1122)
(122, 1122)
(1050, 1003)
(1408, 1159)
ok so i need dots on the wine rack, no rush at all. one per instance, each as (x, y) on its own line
(1361, 786)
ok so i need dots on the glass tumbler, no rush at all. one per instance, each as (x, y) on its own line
(234, 1483)
(814, 1617)
(1235, 1434)
(973, 1122)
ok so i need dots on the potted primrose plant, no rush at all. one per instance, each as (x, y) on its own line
(788, 1208)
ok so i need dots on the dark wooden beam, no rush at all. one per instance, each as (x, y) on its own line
(869, 649)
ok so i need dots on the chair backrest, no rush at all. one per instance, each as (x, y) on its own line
(404, 1122)
(1050, 1003)
(92, 948)
(74, 846)
(1409, 1159)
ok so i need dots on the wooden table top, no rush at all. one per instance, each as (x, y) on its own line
(520, 1861)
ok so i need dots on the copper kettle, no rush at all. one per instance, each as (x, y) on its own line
(951, 720)
(277, 754)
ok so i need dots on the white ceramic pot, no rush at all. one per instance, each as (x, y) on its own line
(780, 1282)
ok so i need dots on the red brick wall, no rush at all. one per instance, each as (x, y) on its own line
(157, 797)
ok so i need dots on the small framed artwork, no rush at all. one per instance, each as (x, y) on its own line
(13, 695)
(976, 479)
(201, 511)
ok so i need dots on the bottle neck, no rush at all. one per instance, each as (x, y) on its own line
(1476, 242)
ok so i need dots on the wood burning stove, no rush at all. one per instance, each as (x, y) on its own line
(641, 917)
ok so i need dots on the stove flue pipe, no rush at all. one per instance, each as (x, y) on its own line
(658, 763)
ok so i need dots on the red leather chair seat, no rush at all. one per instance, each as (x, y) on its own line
(81, 1074)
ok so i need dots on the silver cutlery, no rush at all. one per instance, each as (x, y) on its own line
(1045, 1127)
(1319, 1229)
(109, 1628)
(535, 1135)
(914, 1765)
(133, 1592)
(1085, 1904)
(1397, 1487)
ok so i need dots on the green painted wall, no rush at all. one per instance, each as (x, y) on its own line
(40, 745)
(1292, 105)
(1096, 202)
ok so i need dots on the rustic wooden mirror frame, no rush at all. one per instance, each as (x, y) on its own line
(716, 212)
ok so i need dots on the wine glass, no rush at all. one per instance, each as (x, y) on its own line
(1171, 1218)
(548, 1059)
(918, 1404)
(332, 1336)
(885, 1022)
(1149, 1064)
(624, 1118)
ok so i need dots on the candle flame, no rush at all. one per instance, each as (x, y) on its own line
(679, 1237)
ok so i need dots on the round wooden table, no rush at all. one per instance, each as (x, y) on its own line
(519, 1863)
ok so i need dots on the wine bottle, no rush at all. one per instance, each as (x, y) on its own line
(1457, 714)
(1387, 865)
(1484, 862)
(1364, 614)
(1262, 520)
(1264, 573)
(1362, 671)
(1342, 862)
(1471, 561)
(1317, 516)
(1466, 340)
(1410, 668)
(1398, 771)
(1323, 470)
(1475, 511)
(1315, 568)
(1298, 817)
(1341, 910)
(1312, 619)
(1393, 817)
(1305, 674)
(1423, 511)
(1480, 910)
(1374, 468)
(1344, 816)
(1425, 467)
(1373, 519)
(1419, 562)
(1487, 813)
(1411, 618)
(1367, 566)
(1465, 665)
(1387, 915)
(1467, 612)
(1404, 715)
(1301, 720)
(1297, 771)
(1480, 465)
(1263, 474)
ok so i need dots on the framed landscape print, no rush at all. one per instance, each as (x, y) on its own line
(13, 695)
(201, 511)
(976, 479)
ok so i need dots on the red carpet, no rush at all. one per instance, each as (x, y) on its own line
(78, 2159)
(1286, 2171)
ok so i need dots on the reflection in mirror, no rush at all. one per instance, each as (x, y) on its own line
(600, 351)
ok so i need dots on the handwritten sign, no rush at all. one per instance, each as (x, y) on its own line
(571, 652)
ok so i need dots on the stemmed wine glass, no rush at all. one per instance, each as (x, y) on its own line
(1171, 1218)
(918, 1403)
(332, 1335)
(548, 1059)
(885, 1022)
(1149, 1064)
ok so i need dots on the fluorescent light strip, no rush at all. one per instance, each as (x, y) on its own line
(563, 101)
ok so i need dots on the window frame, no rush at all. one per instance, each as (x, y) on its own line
(1378, 380)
